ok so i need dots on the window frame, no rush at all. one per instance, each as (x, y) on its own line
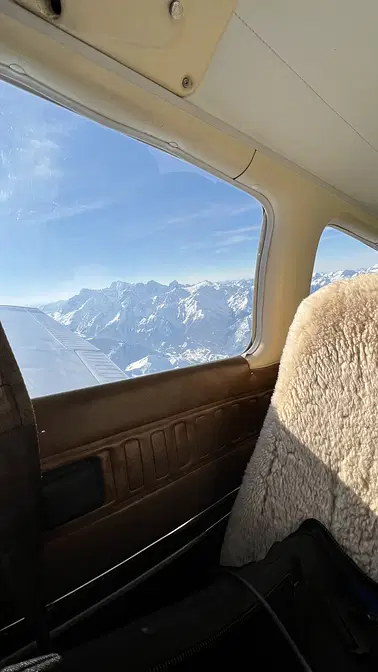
(42, 91)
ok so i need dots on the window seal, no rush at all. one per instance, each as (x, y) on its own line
(260, 276)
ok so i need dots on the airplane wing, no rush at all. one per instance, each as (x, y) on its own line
(52, 358)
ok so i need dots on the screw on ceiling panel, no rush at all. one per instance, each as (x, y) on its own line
(187, 82)
(176, 9)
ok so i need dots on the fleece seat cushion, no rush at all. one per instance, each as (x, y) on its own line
(317, 454)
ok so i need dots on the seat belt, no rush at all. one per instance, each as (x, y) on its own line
(21, 540)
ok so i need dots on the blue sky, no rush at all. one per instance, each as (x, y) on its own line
(337, 251)
(82, 205)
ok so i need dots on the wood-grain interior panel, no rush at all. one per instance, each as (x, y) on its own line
(76, 557)
(160, 454)
(158, 473)
(182, 443)
(134, 465)
(108, 474)
(75, 418)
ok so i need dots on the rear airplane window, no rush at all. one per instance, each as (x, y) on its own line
(341, 256)
(118, 260)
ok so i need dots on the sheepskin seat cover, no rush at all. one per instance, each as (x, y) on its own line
(317, 454)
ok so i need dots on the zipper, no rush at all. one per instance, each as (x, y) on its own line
(201, 646)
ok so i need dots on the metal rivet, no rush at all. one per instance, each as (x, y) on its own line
(187, 82)
(176, 10)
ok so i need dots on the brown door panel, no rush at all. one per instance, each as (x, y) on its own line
(170, 445)
(74, 418)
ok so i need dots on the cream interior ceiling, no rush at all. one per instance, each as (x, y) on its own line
(296, 76)
(301, 77)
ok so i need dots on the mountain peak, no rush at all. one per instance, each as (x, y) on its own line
(149, 327)
(119, 284)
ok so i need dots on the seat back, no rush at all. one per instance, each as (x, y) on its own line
(317, 454)
(21, 545)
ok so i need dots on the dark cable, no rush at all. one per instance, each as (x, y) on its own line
(246, 168)
(274, 618)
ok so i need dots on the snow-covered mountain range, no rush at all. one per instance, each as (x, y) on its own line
(150, 327)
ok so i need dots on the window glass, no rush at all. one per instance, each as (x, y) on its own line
(118, 259)
(341, 256)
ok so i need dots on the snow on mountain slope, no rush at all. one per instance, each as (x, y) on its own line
(150, 327)
(153, 327)
(149, 364)
(322, 279)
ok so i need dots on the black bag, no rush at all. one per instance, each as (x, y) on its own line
(306, 605)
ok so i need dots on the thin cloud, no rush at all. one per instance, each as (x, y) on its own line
(65, 212)
(242, 229)
(329, 235)
(215, 210)
(235, 240)
(191, 217)
(194, 246)
(205, 213)
(254, 204)
(212, 211)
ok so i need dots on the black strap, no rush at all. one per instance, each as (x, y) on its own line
(303, 663)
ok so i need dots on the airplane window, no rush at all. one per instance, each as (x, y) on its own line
(341, 256)
(118, 260)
